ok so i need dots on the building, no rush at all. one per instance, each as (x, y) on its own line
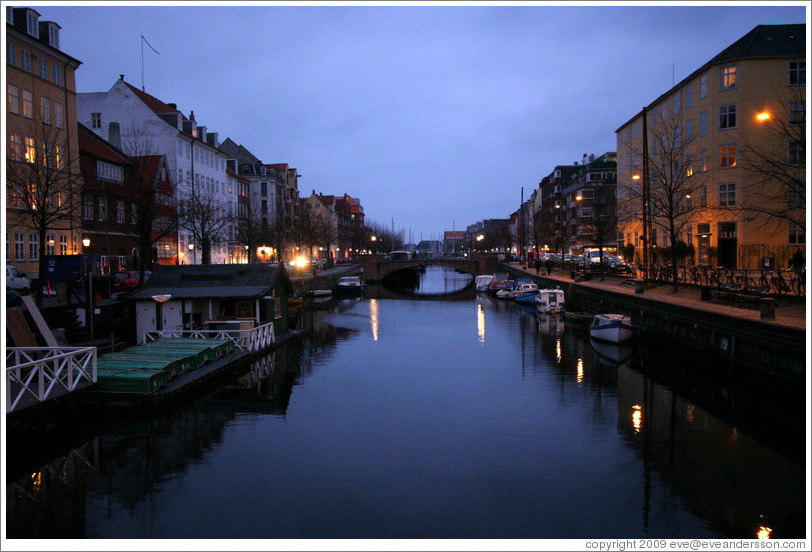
(547, 220)
(453, 241)
(719, 158)
(43, 179)
(587, 204)
(120, 204)
(146, 125)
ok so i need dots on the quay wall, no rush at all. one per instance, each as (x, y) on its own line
(322, 280)
(746, 349)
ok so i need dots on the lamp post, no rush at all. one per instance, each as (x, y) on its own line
(192, 251)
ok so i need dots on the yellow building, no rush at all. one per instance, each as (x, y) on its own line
(43, 182)
(726, 152)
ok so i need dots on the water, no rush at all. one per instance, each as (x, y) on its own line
(428, 419)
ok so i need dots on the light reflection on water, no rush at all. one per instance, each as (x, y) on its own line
(398, 419)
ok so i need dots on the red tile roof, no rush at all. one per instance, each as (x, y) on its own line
(93, 144)
(153, 103)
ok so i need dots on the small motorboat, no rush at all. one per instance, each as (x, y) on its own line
(482, 282)
(350, 284)
(613, 328)
(550, 301)
(502, 289)
(525, 287)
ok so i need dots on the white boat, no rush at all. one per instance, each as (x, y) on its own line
(614, 328)
(482, 282)
(350, 284)
(506, 292)
(550, 301)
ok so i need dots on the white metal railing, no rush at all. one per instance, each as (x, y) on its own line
(252, 339)
(41, 371)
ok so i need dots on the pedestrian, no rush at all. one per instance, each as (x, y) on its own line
(537, 265)
(798, 260)
(549, 265)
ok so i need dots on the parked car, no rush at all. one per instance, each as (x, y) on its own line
(18, 281)
(343, 260)
(616, 264)
(126, 281)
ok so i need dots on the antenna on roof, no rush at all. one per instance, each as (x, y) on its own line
(142, 59)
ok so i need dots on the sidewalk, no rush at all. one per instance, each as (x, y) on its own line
(789, 311)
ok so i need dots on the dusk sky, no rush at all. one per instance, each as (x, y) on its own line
(434, 116)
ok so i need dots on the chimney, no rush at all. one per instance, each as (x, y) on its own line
(173, 106)
(114, 134)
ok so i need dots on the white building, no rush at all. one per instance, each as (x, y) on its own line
(143, 124)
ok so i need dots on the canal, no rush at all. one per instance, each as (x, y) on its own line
(408, 417)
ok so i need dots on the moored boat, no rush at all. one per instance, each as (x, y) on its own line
(614, 328)
(482, 282)
(550, 301)
(578, 318)
(350, 284)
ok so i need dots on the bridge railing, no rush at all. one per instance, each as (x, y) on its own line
(251, 339)
(44, 372)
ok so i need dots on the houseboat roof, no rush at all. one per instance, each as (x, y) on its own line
(224, 281)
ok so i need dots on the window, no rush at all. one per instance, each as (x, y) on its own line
(703, 123)
(59, 117)
(30, 150)
(689, 235)
(727, 194)
(11, 54)
(665, 110)
(43, 68)
(59, 156)
(703, 160)
(688, 95)
(635, 130)
(654, 118)
(727, 156)
(796, 153)
(133, 213)
(95, 120)
(797, 113)
(797, 73)
(102, 208)
(795, 234)
(50, 244)
(63, 245)
(28, 104)
(87, 208)
(53, 36)
(727, 116)
(264, 189)
(120, 212)
(25, 58)
(703, 198)
(675, 101)
(33, 247)
(45, 110)
(32, 24)
(107, 171)
(15, 146)
(19, 246)
(654, 142)
(727, 77)
(57, 75)
(689, 130)
(13, 99)
(703, 86)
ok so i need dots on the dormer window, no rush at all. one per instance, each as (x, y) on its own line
(32, 23)
(53, 35)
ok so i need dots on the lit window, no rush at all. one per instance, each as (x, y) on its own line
(727, 156)
(727, 77)
(28, 104)
(30, 150)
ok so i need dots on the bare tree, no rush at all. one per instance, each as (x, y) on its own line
(205, 216)
(603, 224)
(43, 185)
(677, 176)
(326, 232)
(155, 201)
(773, 152)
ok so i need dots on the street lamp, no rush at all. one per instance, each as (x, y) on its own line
(86, 242)
(192, 251)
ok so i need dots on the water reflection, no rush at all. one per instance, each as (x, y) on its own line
(434, 432)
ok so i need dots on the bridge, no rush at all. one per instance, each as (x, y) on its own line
(376, 267)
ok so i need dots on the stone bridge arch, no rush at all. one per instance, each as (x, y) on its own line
(376, 267)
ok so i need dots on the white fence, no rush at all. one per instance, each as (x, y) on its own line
(46, 372)
(252, 339)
